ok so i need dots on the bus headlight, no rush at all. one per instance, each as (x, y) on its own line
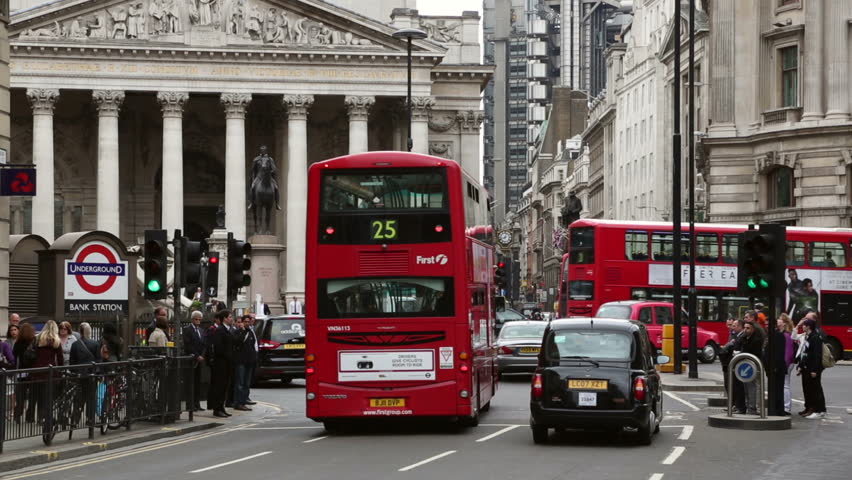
(311, 395)
(464, 394)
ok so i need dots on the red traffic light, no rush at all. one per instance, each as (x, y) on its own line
(213, 260)
(501, 264)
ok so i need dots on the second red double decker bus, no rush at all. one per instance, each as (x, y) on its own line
(399, 289)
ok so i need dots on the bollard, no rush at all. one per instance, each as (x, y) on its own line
(668, 349)
(757, 376)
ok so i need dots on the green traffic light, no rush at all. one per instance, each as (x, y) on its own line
(764, 283)
(751, 283)
(153, 286)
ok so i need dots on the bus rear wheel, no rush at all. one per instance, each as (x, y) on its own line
(836, 348)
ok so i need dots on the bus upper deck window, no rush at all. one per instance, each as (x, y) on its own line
(582, 247)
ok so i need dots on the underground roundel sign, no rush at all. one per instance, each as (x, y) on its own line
(96, 280)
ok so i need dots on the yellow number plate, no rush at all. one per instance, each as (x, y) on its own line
(387, 402)
(530, 349)
(588, 384)
(293, 346)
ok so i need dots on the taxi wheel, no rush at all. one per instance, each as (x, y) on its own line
(539, 434)
(645, 433)
(708, 353)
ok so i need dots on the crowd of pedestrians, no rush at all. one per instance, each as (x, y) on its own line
(796, 348)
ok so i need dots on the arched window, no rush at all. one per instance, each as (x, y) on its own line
(781, 185)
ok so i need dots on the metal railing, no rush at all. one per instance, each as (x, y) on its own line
(50, 400)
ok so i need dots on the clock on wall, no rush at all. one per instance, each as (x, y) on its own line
(504, 237)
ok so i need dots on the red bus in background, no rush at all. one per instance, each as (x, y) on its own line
(613, 260)
(399, 289)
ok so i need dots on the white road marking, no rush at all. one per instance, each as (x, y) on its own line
(315, 439)
(231, 462)
(498, 433)
(798, 401)
(672, 395)
(503, 424)
(656, 476)
(676, 453)
(283, 428)
(685, 433)
(849, 411)
(430, 459)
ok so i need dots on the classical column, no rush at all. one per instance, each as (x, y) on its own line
(297, 189)
(16, 222)
(359, 112)
(280, 220)
(235, 162)
(420, 107)
(814, 109)
(721, 65)
(108, 103)
(172, 104)
(469, 123)
(837, 59)
(43, 101)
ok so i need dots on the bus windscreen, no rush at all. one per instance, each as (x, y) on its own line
(388, 206)
(385, 297)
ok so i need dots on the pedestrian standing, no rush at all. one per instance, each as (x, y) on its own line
(113, 344)
(194, 344)
(14, 319)
(753, 344)
(223, 358)
(246, 360)
(159, 312)
(12, 334)
(158, 337)
(48, 352)
(85, 350)
(785, 324)
(66, 339)
(23, 388)
(810, 368)
(726, 353)
(776, 367)
(295, 307)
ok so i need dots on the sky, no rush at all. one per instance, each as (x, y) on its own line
(448, 7)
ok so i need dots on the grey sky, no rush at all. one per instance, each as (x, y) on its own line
(448, 7)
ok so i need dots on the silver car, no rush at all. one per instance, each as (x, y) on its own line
(518, 346)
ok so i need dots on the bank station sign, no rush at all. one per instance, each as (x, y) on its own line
(96, 281)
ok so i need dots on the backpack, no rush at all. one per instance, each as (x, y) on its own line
(29, 357)
(827, 356)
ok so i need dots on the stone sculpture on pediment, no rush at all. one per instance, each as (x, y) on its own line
(136, 20)
(158, 17)
(254, 22)
(76, 29)
(441, 31)
(97, 26)
(171, 13)
(119, 22)
(237, 18)
(45, 32)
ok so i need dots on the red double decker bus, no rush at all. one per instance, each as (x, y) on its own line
(614, 260)
(399, 288)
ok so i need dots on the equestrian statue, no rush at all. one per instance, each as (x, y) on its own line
(264, 190)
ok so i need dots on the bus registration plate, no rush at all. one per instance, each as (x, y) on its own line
(584, 384)
(530, 349)
(387, 402)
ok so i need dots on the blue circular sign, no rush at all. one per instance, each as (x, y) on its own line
(745, 370)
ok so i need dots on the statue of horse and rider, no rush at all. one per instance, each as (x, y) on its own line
(264, 190)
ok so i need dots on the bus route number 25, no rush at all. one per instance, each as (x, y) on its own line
(384, 229)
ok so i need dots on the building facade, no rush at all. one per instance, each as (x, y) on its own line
(779, 147)
(148, 114)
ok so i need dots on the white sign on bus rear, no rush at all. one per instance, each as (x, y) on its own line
(445, 357)
(386, 365)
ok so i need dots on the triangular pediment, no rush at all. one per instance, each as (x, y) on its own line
(278, 24)
(702, 25)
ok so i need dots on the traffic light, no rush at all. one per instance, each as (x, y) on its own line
(500, 275)
(761, 260)
(190, 268)
(238, 250)
(155, 265)
(211, 280)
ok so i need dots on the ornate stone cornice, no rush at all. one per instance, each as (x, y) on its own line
(42, 100)
(470, 120)
(108, 101)
(359, 107)
(172, 103)
(235, 104)
(420, 107)
(297, 106)
(772, 159)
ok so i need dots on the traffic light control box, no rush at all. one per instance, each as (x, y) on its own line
(761, 260)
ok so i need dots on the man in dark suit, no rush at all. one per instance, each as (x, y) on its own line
(246, 359)
(194, 344)
(222, 343)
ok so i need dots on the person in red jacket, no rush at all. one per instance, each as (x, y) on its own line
(48, 352)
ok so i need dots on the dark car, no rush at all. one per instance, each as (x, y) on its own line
(281, 345)
(596, 374)
(518, 346)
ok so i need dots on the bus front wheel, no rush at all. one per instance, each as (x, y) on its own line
(836, 348)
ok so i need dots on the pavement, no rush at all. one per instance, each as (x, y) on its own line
(706, 382)
(29, 452)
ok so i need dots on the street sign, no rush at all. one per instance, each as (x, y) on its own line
(96, 280)
(745, 371)
(17, 182)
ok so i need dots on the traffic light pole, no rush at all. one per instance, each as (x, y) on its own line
(177, 287)
(772, 378)
(693, 315)
(676, 201)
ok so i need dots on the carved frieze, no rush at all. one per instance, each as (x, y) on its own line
(441, 149)
(442, 31)
(247, 22)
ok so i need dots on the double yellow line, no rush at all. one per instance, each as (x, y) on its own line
(113, 456)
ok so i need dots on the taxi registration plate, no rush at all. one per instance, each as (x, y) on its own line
(387, 402)
(293, 346)
(530, 349)
(583, 384)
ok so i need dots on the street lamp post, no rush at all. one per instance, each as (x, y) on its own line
(410, 34)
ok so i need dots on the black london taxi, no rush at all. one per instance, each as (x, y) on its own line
(596, 373)
(281, 348)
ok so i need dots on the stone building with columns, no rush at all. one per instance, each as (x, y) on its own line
(779, 144)
(147, 114)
